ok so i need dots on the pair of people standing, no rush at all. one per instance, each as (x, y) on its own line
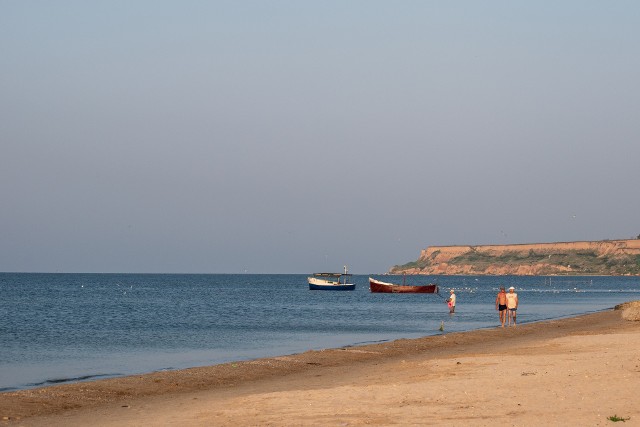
(507, 304)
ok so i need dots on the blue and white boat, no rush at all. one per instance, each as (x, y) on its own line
(331, 281)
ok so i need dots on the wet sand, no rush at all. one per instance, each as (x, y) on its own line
(576, 371)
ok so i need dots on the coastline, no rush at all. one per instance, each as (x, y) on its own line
(430, 380)
(607, 257)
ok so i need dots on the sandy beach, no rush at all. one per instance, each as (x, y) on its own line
(576, 371)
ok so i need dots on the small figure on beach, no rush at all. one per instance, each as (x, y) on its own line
(501, 305)
(512, 305)
(451, 301)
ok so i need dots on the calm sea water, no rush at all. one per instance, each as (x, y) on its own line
(57, 328)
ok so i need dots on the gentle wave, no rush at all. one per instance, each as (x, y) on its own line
(55, 381)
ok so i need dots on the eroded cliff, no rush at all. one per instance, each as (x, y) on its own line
(606, 257)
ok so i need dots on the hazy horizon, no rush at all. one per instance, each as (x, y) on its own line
(295, 137)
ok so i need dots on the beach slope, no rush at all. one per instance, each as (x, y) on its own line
(576, 371)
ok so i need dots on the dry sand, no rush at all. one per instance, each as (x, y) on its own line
(576, 371)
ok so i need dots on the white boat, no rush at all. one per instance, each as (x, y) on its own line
(331, 281)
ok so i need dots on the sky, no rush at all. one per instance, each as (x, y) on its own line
(300, 136)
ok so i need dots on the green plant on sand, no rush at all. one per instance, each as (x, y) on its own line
(616, 418)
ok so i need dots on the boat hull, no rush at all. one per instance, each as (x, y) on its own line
(326, 285)
(391, 288)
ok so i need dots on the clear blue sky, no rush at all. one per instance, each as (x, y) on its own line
(298, 136)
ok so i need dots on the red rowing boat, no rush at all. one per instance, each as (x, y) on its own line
(392, 288)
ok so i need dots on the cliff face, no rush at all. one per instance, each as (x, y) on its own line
(607, 257)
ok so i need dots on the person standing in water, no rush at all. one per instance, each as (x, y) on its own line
(501, 305)
(451, 302)
(512, 305)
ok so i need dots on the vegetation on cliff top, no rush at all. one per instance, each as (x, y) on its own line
(568, 262)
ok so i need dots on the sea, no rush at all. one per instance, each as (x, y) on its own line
(61, 328)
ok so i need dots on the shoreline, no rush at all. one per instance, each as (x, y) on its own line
(89, 378)
(133, 399)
